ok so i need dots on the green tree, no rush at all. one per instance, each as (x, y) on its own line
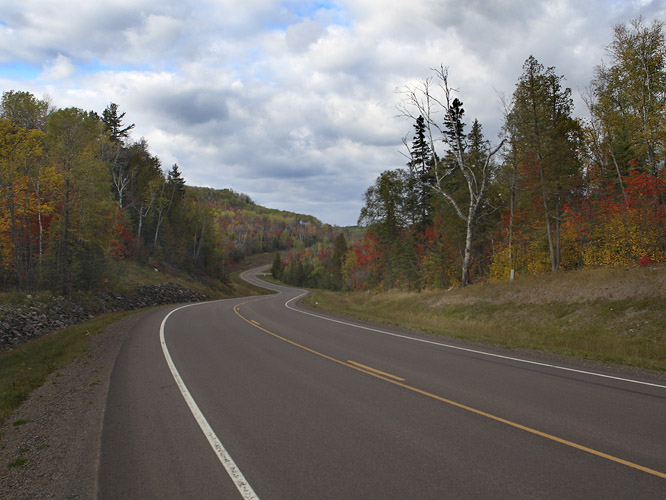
(276, 268)
(421, 163)
(547, 142)
(115, 152)
(80, 236)
(631, 93)
(176, 183)
(24, 110)
(113, 123)
(145, 184)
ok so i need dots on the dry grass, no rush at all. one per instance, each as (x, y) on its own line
(569, 286)
(615, 316)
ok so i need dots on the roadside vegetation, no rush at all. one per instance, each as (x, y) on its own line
(27, 366)
(609, 315)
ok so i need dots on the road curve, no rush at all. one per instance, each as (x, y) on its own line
(257, 398)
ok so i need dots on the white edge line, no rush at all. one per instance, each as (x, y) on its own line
(441, 344)
(232, 469)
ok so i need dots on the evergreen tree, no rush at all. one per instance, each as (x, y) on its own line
(276, 268)
(546, 139)
(113, 123)
(420, 178)
(176, 183)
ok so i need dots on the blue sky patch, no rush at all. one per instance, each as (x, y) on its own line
(19, 71)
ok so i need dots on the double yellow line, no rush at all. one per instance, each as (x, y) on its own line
(400, 382)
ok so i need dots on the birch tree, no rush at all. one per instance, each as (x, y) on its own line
(433, 98)
(630, 93)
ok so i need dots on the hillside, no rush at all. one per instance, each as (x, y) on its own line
(609, 315)
(242, 228)
(228, 200)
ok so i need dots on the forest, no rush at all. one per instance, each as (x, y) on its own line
(77, 195)
(555, 192)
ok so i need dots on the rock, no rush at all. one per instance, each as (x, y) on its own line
(18, 325)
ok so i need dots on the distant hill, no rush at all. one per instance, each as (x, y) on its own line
(243, 228)
(230, 200)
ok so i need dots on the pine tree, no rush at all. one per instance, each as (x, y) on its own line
(546, 139)
(113, 123)
(276, 268)
(176, 183)
(420, 178)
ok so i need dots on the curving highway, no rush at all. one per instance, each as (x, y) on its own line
(259, 398)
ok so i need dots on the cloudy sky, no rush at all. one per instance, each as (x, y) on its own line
(293, 102)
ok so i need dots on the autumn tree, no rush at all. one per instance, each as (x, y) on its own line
(80, 236)
(631, 93)
(626, 135)
(21, 172)
(24, 110)
(427, 99)
(546, 140)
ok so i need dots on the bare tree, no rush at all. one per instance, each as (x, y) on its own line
(433, 98)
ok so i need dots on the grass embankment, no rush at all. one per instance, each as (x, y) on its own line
(129, 275)
(614, 316)
(27, 366)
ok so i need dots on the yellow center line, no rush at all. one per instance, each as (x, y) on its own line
(375, 370)
(255, 323)
(396, 381)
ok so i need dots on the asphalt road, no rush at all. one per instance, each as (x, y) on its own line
(254, 398)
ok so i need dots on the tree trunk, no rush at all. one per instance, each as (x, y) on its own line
(514, 175)
(65, 255)
(467, 258)
(549, 230)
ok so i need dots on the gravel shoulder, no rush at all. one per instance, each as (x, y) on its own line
(62, 432)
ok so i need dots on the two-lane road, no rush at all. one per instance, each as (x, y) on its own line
(257, 398)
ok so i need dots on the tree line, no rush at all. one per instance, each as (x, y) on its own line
(77, 194)
(555, 192)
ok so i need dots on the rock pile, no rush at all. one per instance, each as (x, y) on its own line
(21, 323)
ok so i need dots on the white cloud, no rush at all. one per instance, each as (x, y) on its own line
(301, 35)
(156, 34)
(293, 102)
(58, 69)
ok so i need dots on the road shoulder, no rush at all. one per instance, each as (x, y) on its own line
(61, 426)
